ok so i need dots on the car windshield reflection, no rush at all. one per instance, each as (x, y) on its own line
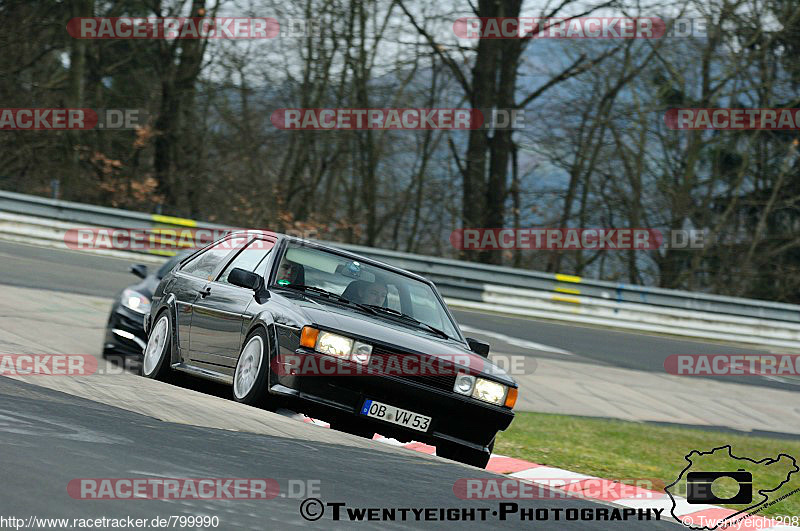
(339, 277)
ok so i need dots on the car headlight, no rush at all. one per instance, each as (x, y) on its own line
(135, 301)
(361, 352)
(490, 391)
(334, 345)
(464, 384)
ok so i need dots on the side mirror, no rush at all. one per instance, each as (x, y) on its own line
(244, 279)
(140, 270)
(478, 347)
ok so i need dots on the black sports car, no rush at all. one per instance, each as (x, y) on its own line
(125, 335)
(364, 345)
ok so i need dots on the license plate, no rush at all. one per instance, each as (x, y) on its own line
(395, 415)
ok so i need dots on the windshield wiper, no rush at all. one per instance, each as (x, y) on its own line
(371, 308)
(319, 291)
(406, 317)
(332, 295)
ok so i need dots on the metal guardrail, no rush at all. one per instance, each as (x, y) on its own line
(569, 288)
(485, 287)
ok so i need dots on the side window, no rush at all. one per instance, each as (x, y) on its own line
(262, 269)
(204, 265)
(249, 259)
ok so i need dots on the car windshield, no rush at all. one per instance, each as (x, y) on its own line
(386, 293)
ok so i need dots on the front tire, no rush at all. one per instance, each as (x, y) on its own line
(158, 352)
(252, 371)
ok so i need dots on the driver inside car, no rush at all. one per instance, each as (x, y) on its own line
(291, 272)
(373, 293)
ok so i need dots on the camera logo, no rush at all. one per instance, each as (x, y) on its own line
(698, 487)
(743, 485)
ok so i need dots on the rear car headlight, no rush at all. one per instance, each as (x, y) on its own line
(489, 391)
(361, 352)
(464, 384)
(135, 301)
(334, 345)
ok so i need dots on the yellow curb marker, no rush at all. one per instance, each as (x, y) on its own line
(169, 220)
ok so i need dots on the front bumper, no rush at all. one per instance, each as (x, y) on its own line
(125, 332)
(454, 418)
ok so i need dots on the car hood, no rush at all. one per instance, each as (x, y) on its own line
(389, 333)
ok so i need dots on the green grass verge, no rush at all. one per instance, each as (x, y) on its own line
(616, 449)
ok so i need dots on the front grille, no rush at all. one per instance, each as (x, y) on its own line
(444, 372)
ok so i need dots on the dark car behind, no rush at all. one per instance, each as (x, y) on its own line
(125, 336)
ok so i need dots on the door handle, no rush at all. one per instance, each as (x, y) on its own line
(205, 292)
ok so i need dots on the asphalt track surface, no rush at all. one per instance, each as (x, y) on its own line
(89, 274)
(49, 438)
